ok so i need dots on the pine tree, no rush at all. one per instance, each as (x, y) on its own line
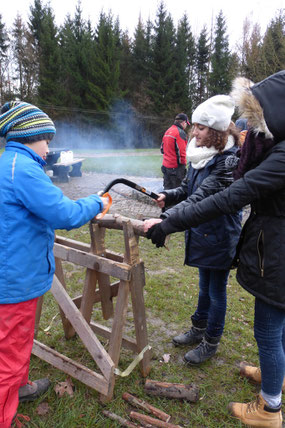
(4, 45)
(45, 36)
(25, 61)
(126, 72)
(252, 64)
(163, 66)
(274, 45)
(202, 67)
(140, 60)
(220, 77)
(185, 61)
(107, 61)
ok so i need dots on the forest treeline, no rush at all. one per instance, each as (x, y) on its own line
(90, 74)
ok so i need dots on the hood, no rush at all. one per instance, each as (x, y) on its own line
(263, 104)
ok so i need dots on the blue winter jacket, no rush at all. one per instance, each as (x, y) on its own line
(212, 244)
(31, 208)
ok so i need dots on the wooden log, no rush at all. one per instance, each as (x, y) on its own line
(147, 421)
(115, 221)
(188, 392)
(124, 422)
(144, 405)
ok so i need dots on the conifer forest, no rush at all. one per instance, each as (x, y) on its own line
(92, 73)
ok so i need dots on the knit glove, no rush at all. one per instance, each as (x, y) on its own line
(156, 234)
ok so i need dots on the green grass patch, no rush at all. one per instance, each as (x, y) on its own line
(171, 294)
(148, 166)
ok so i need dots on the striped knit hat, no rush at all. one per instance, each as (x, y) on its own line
(25, 123)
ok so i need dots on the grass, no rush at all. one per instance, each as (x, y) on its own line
(149, 166)
(170, 298)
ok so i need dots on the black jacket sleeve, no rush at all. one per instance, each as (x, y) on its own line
(258, 183)
(218, 180)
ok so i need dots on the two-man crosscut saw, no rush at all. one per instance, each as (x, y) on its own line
(105, 193)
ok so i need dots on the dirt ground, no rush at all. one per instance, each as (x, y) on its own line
(126, 201)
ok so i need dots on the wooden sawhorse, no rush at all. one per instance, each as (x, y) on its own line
(76, 313)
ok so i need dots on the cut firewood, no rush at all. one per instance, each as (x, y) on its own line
(124, 422)
(144, 405)
(148, 421)
(188, 392)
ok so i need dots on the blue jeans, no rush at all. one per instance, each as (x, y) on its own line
(212, 302)
(269, 333)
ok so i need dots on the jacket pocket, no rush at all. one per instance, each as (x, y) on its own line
(49, 261)
(260, 252)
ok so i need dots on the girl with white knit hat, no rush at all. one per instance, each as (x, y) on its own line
(211, 246)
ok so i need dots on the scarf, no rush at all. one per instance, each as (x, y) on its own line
(252, 152)
(200, 156)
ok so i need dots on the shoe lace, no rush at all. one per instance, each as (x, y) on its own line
(201, 347)
(18, 423)
(253, 406)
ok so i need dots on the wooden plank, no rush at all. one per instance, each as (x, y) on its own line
(119, 321)
(89, 339)
(101, 330)
(92, 261)
(112, 255)
(98, 247)
(97, 297)
(88, 296)
(136, 286)
(71, 367)
(131, 244)
(117, 331)
(72, 243)
(67, 327)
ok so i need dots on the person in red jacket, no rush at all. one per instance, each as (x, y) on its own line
(173, 148)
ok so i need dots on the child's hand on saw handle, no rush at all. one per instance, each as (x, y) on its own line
(107, 202)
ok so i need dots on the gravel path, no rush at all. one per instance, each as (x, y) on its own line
(126, 201)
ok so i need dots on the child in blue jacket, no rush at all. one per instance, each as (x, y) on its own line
(31, 208)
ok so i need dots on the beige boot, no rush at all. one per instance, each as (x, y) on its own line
(257, 413)
(253, 373)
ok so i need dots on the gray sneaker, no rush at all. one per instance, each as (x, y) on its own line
(32, 390)
(203, 352)
(191, 337)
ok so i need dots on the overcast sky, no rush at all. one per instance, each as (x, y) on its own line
(199, 12)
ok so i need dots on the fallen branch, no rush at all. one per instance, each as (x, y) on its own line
(148, 408)
(148, 421)
(188, 392)
(124, 422)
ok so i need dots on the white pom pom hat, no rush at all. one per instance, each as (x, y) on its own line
(216, 112)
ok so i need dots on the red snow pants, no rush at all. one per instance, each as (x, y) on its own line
(17, 323)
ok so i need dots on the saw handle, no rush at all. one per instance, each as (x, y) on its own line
(101, 215)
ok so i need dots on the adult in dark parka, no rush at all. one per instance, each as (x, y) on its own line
(261, 267)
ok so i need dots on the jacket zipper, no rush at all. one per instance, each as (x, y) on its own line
(260, 252)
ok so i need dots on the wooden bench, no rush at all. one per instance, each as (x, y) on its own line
(61, 170)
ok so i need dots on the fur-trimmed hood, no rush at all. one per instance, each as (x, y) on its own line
(263, 104)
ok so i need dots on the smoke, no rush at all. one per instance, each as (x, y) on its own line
(120, 128)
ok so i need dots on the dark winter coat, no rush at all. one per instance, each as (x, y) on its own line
(261, 267)
(210, 245)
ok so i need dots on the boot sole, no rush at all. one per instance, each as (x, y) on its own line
(193, 364)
